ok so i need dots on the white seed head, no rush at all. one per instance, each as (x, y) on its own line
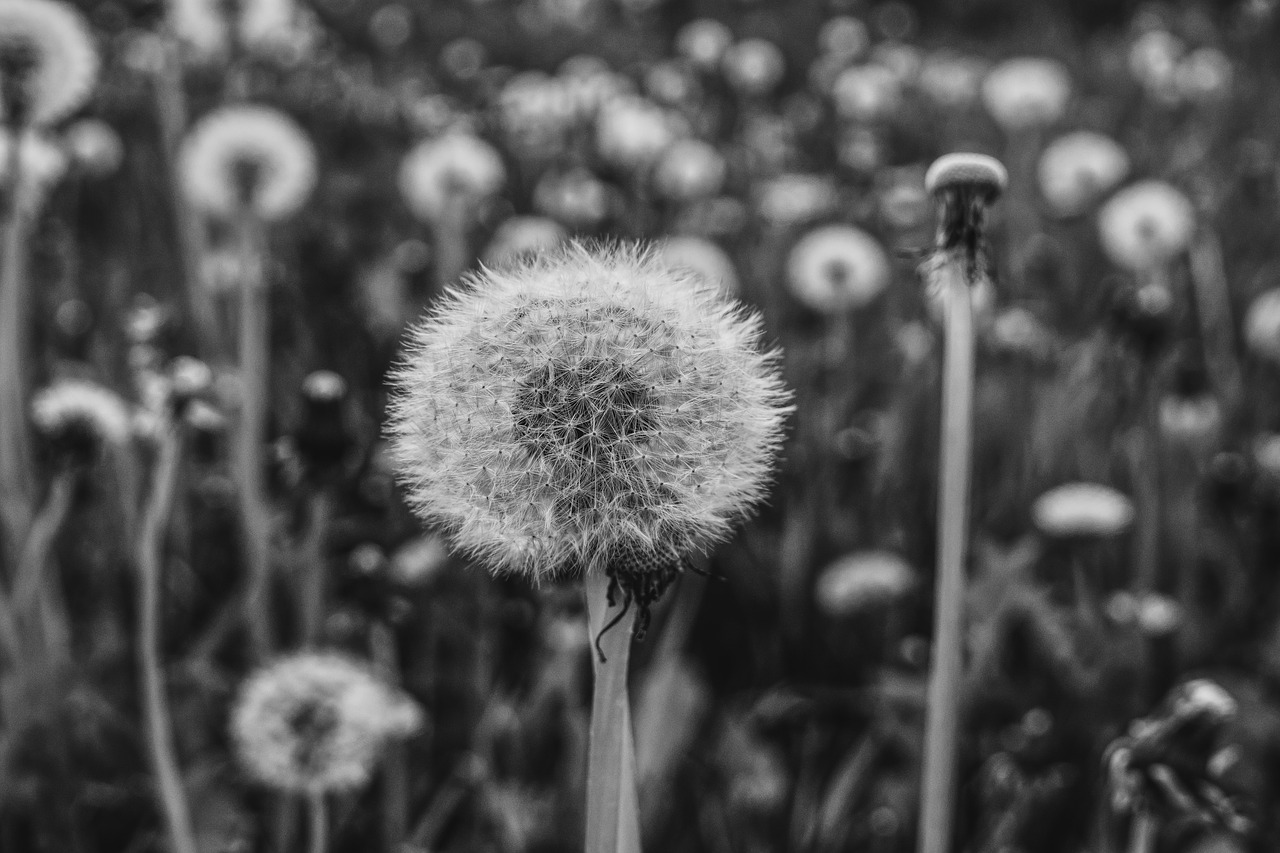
(690, 169)
(71, 403)
(632, 132)
(1146, 225)
(704, 258)
(1026, 92)
(241, 159)
(95, 147)
(454, 170)
(1082, 509)
(41, 164)
(520, 237)
(589, 403)
(837, 268)
(1262, 326)
(704, 42)
(754, 66)
(316, 721)
(1078, 169)
(864, 580)
(866, 93)
(56, 38)
(793, 198)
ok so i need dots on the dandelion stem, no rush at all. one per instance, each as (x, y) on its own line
(452, 256)
(319, 820)
(1142, 833)
(1213, 309)
(15, 472)
(613, 824)
(31, 594)
(164, 761)
(254, 369)
(395, 766)
(314, 572)
(953, 498)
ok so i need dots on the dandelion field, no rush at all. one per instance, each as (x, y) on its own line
(285, 566)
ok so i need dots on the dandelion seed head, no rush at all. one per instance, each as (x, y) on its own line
(41, 163)
(631, 131)
(952, 80)
(316, 721)
(837, 268)
(274, 26)
(589, 405)
(866, 92)
(863, 580)
(241, 159)
(690, 169)
(704, 258)
(454, 170)
(95, 147)
(82, 415)
(1145, 225)
(1262, 326)
(1078, 169)
(1026, 92)
(754, 67)
(703, 42)
(49, 45)
(1082, 509)
(794, 198)
(520, 237)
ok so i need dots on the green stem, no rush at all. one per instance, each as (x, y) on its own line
(943, 715)
(161, 752)
(613, 824)
(254, 373)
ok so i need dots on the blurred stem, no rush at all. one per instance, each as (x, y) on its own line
(1148, 481)
(255, 319)
(33, 595)
(613, 824)
(319, 820)
(15, 457)
(943, 715)
(164, 760)
(395, 766)
(452, 254)
(1142, 833)
(314, 573)
(171, 115)
(1213, 309)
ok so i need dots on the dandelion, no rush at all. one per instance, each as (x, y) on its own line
(1146, 225)
(1204, 75)
(704, 258)
(1082, 510)
(1078, 169)
(81, 412)
(455, 170)
(866, 93)
(794, 198)
(844, 36)
(631, 132)
(418, 561)
(241, 159)
(577, 198)
(589, 409)
(837, 268)
(316, 722)
(864, 580)
(48, 63)
(1262, 326)
(1153, 62)
(690, 169)
(522, 236)
(754, 67)
(41, 164)
(1266, 454)
(95, 147)
(704, 42)
(207, 26)
(1026, 92)
(952, 80)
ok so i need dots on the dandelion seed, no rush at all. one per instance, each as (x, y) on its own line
(607, 412)
(47, 50)
(316, 722)
(250, 158)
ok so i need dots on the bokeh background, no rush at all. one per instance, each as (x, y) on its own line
(1127, 341)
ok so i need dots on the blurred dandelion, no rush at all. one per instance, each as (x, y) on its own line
(1146, 225)
(1026, 92)
(703, 42)
(520, 237)
(631, 132)
(48, 63)
(41, 164)
(689, 169)
(864, 580)
(866, 93)
(1082, 510)
(455, 170)
(81, 415)
(252, 159)
(95, 147)
(837, 268)
(754, 67)
(705, 258)
(1262, 326)
(1078, 169)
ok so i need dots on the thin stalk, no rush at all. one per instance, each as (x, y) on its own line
(1213, 309)
(33, 596)
(395, 765)
(254, 371)
(161, 752)
(1142, 833)
(317, 817)
(943, 715)
(613, 824)
(313, 573)
(171, 115)
(1150, 504)
(452, 253)
(15, 457)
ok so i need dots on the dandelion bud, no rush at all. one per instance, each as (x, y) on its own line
(316, 722)
(589, 409)
(1082, 510)
(1193, 420)
(1078, 169)
(1026, 92)
(78, 418)
(837, 268)
(48, 63)
(1146, 225)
